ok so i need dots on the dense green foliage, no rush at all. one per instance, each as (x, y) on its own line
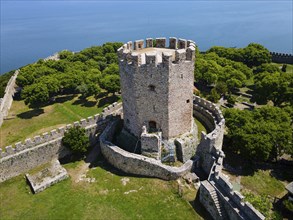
(259, 135)
(288, 205)
(81, 72)
(229, 69)
(261, 203)
(76, 140)
(3, 82)
(273, 84)
(252, 55)
(224, 74)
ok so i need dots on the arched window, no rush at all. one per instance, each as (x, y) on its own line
(152, 126)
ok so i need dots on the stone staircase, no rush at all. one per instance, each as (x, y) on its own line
(170, 156)
(221, 210)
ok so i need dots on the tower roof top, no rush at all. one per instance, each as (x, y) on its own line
(156, 50)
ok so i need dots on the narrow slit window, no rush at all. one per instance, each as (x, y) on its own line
(152, 88)
(187, 101)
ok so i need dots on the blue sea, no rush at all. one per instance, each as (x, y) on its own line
(31, 30)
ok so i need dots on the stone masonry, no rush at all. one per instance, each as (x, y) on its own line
(157, 92)
(157, 86)
(6, 101)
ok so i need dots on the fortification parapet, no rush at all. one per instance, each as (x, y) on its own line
(228, 196)
(43, 148)
(211, 143)
(282, 58)
(88, 123)
(138, 55)
(6, 101)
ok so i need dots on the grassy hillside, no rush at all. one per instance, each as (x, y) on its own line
(105, 198)
(24, 122)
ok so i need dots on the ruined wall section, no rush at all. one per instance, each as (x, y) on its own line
(6, 101)
(43, 148)
(135, 163)
(149, 86)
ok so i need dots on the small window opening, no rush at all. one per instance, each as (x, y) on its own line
(152, 88)
(152, 126)
(187, 101)
(181, 76)
(127, 121)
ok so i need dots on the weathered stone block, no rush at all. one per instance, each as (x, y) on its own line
(149, 42)
(47, 177)
(173, 43)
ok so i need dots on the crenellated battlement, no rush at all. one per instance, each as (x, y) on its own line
(54, 134)
(144, 53)
(282, 58)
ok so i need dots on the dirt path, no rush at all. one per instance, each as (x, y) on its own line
(79, 174)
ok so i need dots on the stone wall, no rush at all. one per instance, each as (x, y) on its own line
(157, 85)
(6, 101)
(135, 163)
(216, 193)
(282, 58)
(151, 144)
(43, 148)
(233, 201)
(210, 144)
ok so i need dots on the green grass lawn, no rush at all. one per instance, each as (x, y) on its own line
(261, 182)
(200, 128)
(107, 198)
(25, 122)
(289, 68)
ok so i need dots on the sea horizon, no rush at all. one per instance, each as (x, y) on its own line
(32, 30)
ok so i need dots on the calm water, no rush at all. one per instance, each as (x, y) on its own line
(36, 29)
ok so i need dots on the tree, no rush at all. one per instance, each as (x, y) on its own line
(214, 96)
(231, 99)
(112, 69)
(284, 68)
(111, 83)
(277, 87)
(35, 94)
(76, 140)
(256, 54)
(221, 88)
(87, 90)
(262, 134)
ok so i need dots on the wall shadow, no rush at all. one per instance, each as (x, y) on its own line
(30, 114)
(107, 100)
(199, 208)
(62, 99)
(84, 102)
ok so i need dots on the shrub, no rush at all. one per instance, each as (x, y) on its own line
(76, 140)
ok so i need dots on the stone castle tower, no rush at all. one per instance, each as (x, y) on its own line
(157, 87)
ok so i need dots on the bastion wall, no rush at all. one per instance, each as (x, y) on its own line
(41, 149)
(6, 101)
